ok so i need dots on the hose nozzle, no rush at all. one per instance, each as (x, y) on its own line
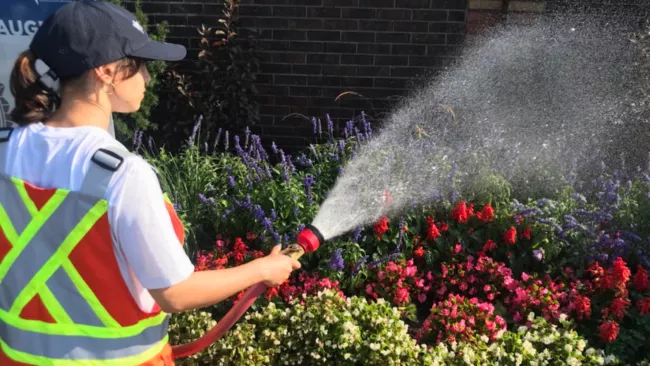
(310, 238)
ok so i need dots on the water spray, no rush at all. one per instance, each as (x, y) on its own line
(308, 240)
(549, 95)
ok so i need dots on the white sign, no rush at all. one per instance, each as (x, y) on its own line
(19, 20)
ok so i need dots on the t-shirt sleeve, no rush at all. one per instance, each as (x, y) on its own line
(143, 228)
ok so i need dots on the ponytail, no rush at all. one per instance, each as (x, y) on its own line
(34, 102)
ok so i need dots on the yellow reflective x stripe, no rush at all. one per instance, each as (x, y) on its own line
(61, 255)
(51, 303)
(81, 330)
(7, 228)
(32, 228)
(53, 306)
(89, 295)
(40, 360)
(20, 186)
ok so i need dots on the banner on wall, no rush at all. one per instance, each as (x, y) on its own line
(19, 20)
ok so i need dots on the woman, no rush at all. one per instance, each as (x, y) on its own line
(91, 255)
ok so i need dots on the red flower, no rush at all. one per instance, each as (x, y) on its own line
(609, 331)
(419, 252)
(443, 226)
(271, 293)
(489, 245)
(526, 233)
(401, 296)
(641, 282)
(381, 227)
(582, 306)
(432, 230)
(460, 213)
(387, 198)
(644, 306)
(620, 272)
(510, 236)
(596, 270)
(618, 307)
(486, 214)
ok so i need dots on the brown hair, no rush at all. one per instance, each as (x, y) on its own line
(36, 103)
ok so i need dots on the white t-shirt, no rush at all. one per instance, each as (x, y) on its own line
(146, 245)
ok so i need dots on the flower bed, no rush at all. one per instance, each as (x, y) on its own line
(560, 279)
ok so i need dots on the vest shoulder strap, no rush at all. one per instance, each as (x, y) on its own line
(103, 165)
(5, 135)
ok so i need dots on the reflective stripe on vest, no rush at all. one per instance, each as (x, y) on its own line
(37, 263)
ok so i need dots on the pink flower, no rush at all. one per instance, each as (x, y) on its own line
(441, 291)
(369, 289)
(401, 296)
(411, 271)
(392, 267)
(422, 297)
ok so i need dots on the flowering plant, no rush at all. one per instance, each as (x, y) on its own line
(544, 297)
(399, 282)
(321, 330)
(539, 343)
(462, 319)
(483, 278)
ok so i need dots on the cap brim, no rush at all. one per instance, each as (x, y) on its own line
(160, 51)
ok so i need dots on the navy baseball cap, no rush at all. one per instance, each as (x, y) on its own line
(85, 34)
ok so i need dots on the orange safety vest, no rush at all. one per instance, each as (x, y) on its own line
(63, 300)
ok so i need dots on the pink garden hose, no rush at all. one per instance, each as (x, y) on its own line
(308, 241)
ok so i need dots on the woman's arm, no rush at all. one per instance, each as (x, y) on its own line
(206, 288)
(147, 240)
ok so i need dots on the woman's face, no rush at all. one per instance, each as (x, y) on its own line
(127, 94)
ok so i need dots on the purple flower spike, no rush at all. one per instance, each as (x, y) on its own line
(337, 263)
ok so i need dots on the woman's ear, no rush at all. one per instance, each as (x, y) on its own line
(106, 73)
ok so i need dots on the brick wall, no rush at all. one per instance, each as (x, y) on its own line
(314, 50)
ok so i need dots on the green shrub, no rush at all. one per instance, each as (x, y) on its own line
(539, 344)
(221, 86)
(187, 326)
(322, 330)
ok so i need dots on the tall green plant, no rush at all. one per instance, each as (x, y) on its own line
(126, 125)
(221, 86)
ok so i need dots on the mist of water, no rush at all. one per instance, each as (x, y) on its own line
(550, 95)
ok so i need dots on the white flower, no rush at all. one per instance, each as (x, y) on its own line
(519, 359)
(528, 348)
(374, 346)
(568, 347)
(572, 361)
(581, 345)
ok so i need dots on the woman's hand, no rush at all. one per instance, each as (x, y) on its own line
(276, 267)
(205, 288)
